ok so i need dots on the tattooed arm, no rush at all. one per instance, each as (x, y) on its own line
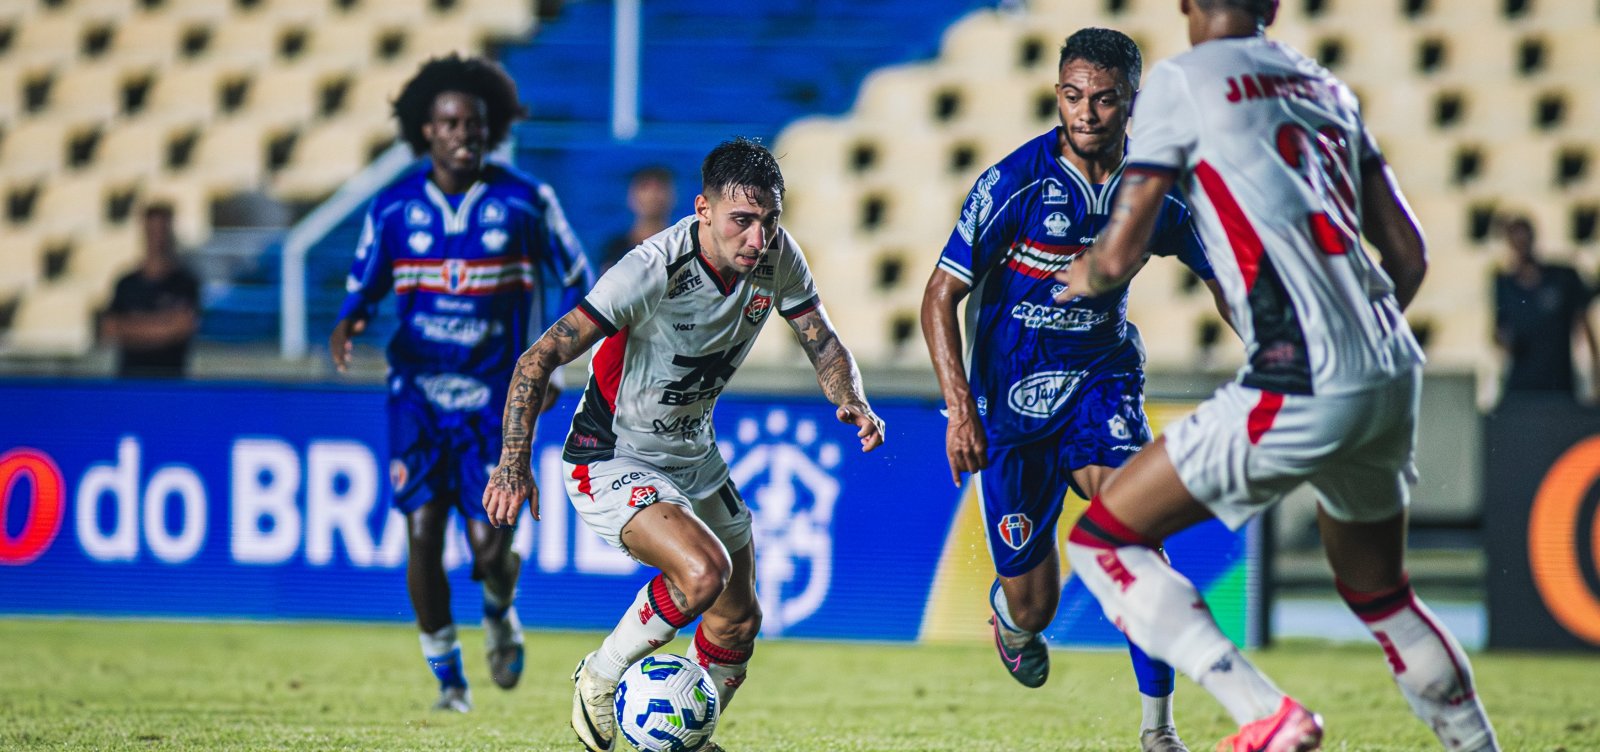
(1122, 247)
(512, 479)
(838, 376)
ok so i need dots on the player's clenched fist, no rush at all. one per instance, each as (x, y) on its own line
(507, 487)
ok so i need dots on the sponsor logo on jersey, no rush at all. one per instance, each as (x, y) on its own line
(979, 204)
(688, 281)
(643, 496)
(492, 214)
(420, 242)
(765, 270)
(685, 427)
(757, 308)
(398, 474)
(452, 391)
(680, 326)
(1056, 224)
(455, 330)
(417, 215)
(1118, 428)
(1054, 194)
(1042, 394)
(1015, 530)
(1056, 318)
(706, 377)
(627, 479)
(494, 241)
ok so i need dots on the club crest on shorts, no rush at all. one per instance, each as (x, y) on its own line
(1015, 530)
(643, 496)
(757, 308)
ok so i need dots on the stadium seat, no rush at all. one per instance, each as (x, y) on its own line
(148, 39)
(902, 94)
(1462, 14)
(317, 12)
(325, 156)
(190, 197)
(35, 147)
(1574, 53)
(186, 93)
(245, 42)
(985, 44)
(371, 95)
(20, 263)
(815, 150)
(397, 12)
(442, 37)
(498, 18)
(1523, 166)
(72, 205)
(231, 155)
(341, 41)
(89, 92)
(53, 320)
(47, 40)
(97, 262)
(137, 150)
(198, 10)
(283, 97)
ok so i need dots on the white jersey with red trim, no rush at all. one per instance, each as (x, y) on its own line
(675, 333)
(1270, 150)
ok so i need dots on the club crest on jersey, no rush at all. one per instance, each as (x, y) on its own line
(494, 240)
(418, 215)
(420, 242)
(1015, 530)
(1056, 224)
(1054, 194)
(455, 275)
(492, 214)
(1118, 428)
(643, 496)
(757, 308)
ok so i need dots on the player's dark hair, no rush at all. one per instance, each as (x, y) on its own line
(473, 76)
(744, 163)
(1258, 8)
(1105, 48)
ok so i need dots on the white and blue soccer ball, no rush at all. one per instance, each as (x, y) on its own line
(666, 703)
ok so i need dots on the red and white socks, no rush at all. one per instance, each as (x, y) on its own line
(652, 621)
(1163, 613)
(1428, 664)
(725, 665)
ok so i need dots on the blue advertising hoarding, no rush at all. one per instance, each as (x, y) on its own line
(260, 501)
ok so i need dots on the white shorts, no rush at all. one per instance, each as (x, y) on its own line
(608, 493)
(1244, 448)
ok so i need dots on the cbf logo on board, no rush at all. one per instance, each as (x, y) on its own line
(1015, 530)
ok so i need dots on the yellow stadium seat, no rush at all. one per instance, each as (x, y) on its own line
(1574, 53)
(815, 149)
(97, 262)
(326, 156)
(286, 96)
(52, 39)
(137, 150)
(442, 37)
(341, 41)
(198, 10)
(73, 205)
(245, 42)
(901, 93)
(1461, 14)
(89, 92)
(148, 39)
(985, 44)
(300, 11)
(186, 93)
(499, 19)
(53, 320)
(1521, 166)
(190, 197)
(401, 12)
(231, 155)
(20, 263)
(36, 147)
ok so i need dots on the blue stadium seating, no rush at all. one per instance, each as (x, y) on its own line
(711, 69)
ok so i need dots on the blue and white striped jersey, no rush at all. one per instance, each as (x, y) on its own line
(1024, 219)
(475, 276)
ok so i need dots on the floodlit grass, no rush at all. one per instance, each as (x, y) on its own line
(158, 686)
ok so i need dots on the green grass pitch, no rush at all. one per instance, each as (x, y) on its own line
(140, 685)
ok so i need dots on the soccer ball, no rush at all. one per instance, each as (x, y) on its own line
(665, 703)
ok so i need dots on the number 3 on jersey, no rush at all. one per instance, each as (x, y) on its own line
(1322, 159)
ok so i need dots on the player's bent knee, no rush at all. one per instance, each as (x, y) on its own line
(701, 583)
(736, 629)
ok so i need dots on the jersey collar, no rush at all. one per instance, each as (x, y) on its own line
(1099, 201)
(455, 219)
(724, 287)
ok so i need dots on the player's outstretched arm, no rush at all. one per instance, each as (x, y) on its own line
(838, 376)
(1387, 221)
(1122, 247)
(512, 479)
(965, 447)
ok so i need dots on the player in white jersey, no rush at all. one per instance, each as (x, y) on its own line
(677, 316)
(1282, 178)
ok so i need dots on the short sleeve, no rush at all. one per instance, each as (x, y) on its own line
(371, 276)
(1165, 122)
(627, 293)
(985, 230)
(797, 291)
(1179, 238)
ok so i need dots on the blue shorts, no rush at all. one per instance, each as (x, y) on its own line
(436, 453)
(1024, 484)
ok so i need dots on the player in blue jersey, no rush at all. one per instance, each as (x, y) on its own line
(479, 258)
(1054, 399)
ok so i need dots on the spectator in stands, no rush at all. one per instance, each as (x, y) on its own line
(155, 310)
(1539, 309)
(651, 193)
